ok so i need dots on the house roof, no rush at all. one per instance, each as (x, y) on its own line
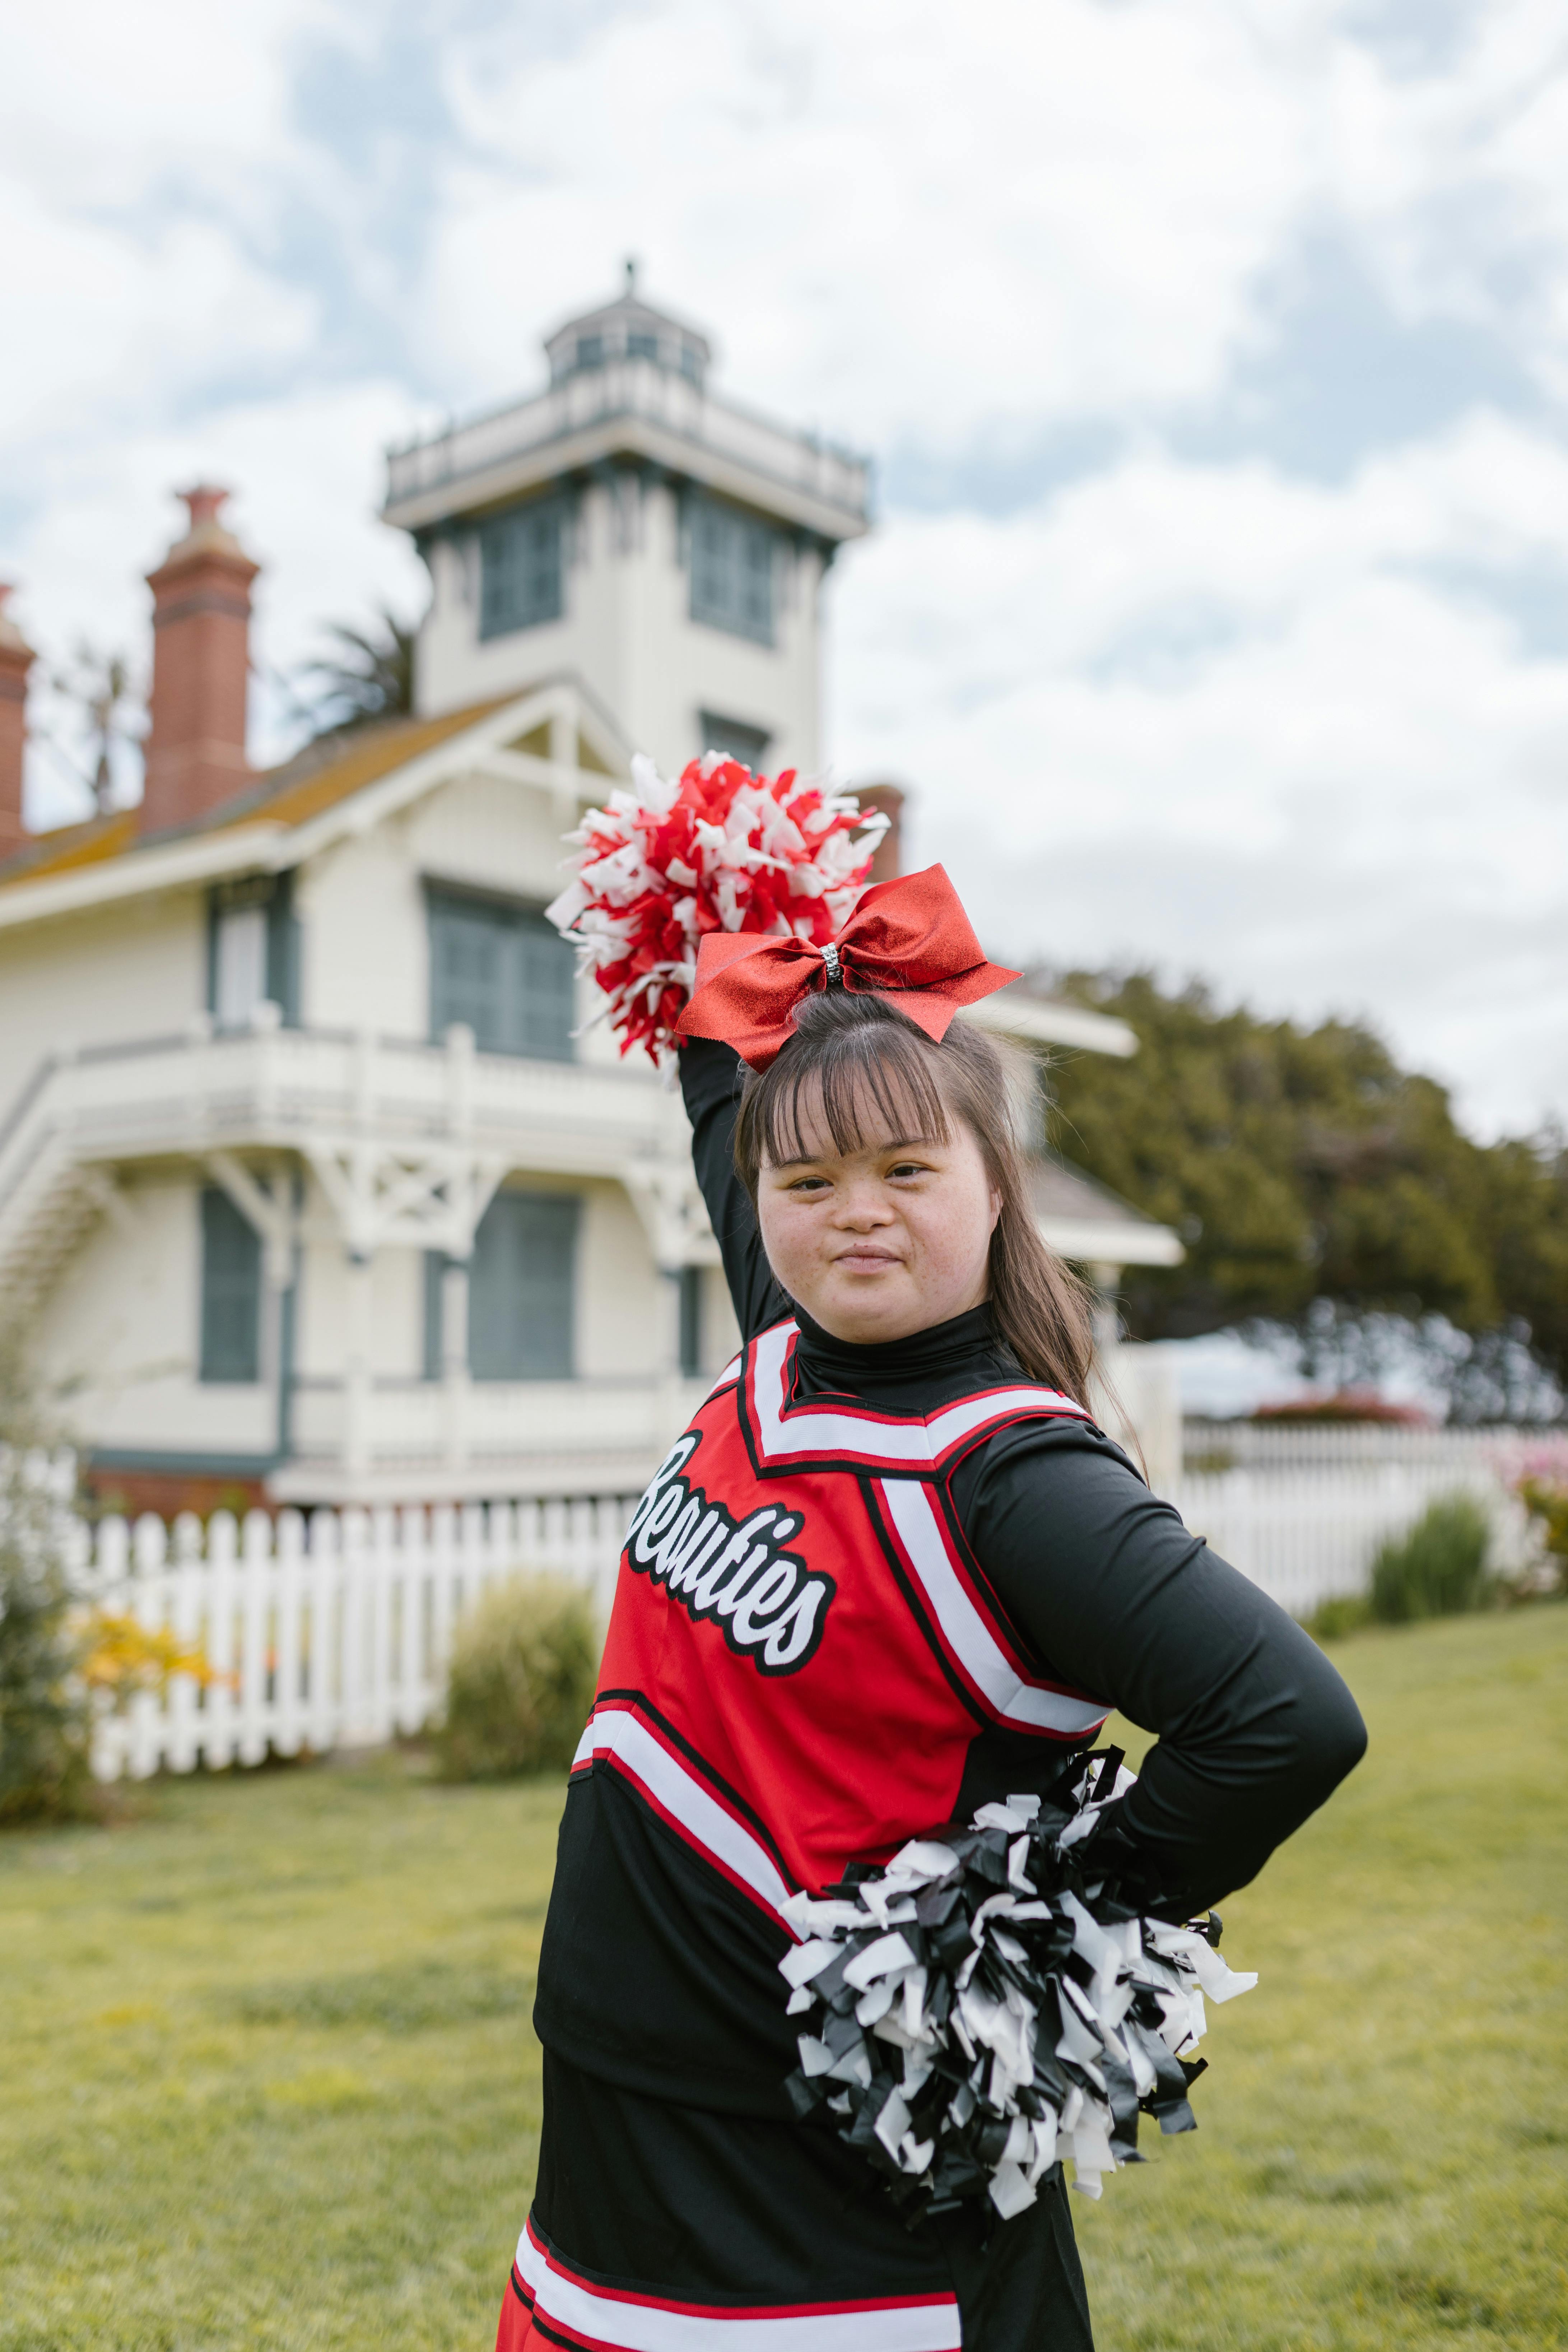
(614, 322)
(553, 735)
(1033, 1018)
(316, 778)
(69, 846)
(1084, 1220)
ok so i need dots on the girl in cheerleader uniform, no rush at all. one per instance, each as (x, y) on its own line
(891, 1571)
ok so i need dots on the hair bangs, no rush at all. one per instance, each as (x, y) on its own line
(861, 1089)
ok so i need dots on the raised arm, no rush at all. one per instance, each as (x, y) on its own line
(710, 1075)
(1255, 1726)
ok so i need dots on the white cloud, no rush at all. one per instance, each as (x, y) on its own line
(908, 228)
(102, 103)
(1245, 725)
(110, 325)
(1453, 177)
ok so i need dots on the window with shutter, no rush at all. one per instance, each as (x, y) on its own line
(253, 950)
(521, 1288)
(504, 970)
(239, 979)
(468, 977)
(736, 738)
(521, 571)
(733, 562)
(231, 1291)
(545, 971)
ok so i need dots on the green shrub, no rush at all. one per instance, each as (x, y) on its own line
(44, 1727)
(522, 1680)
(1438, 1568)
(1347, 1613)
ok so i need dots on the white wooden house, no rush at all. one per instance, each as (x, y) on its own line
(308, 1186)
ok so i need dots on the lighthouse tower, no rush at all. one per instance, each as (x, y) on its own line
(630, 529)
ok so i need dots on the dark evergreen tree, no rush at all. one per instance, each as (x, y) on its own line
(1320, 1188)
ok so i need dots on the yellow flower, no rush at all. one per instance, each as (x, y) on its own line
(120, 1656)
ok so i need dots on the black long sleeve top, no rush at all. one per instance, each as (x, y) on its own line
(655, 1974)
(1108, 1589)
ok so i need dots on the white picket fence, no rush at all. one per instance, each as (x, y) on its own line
(1308, 1536)
(327, 1631)
(1303, 1511)
(334, 1630)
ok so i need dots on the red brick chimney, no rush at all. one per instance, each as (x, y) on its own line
(16, 661)
(888, 863)
(201, 668)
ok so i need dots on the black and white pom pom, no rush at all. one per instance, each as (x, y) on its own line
(986, 2005)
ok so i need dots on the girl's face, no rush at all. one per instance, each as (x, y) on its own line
(881, 1241)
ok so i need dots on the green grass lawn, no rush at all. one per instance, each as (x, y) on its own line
(267, 2079)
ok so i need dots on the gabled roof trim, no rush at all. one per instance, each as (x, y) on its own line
(266, 846)
(1051, 1020)
(239, 849)
(401, 786)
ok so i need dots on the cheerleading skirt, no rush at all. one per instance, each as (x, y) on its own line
(658, 2227)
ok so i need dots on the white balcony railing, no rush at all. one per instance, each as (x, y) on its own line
(406, 1141)
(638, 390)
(275, 1086)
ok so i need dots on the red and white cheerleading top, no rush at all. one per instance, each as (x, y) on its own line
(803, 1657)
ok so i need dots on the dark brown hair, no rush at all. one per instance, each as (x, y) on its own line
(854, 1059)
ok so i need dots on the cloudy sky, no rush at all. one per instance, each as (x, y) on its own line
(1213, 354)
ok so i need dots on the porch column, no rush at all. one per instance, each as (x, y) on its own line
(357, 1391)
(455, 1376)
(1106, 1281)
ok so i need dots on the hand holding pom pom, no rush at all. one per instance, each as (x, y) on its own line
(988, 2004)
(721, 850)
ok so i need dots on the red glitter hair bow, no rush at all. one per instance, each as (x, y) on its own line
(908, 942)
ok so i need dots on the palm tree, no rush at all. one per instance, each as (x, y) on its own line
(103, 700)
(367, 675)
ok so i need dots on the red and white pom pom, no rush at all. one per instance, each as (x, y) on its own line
(721, 850)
